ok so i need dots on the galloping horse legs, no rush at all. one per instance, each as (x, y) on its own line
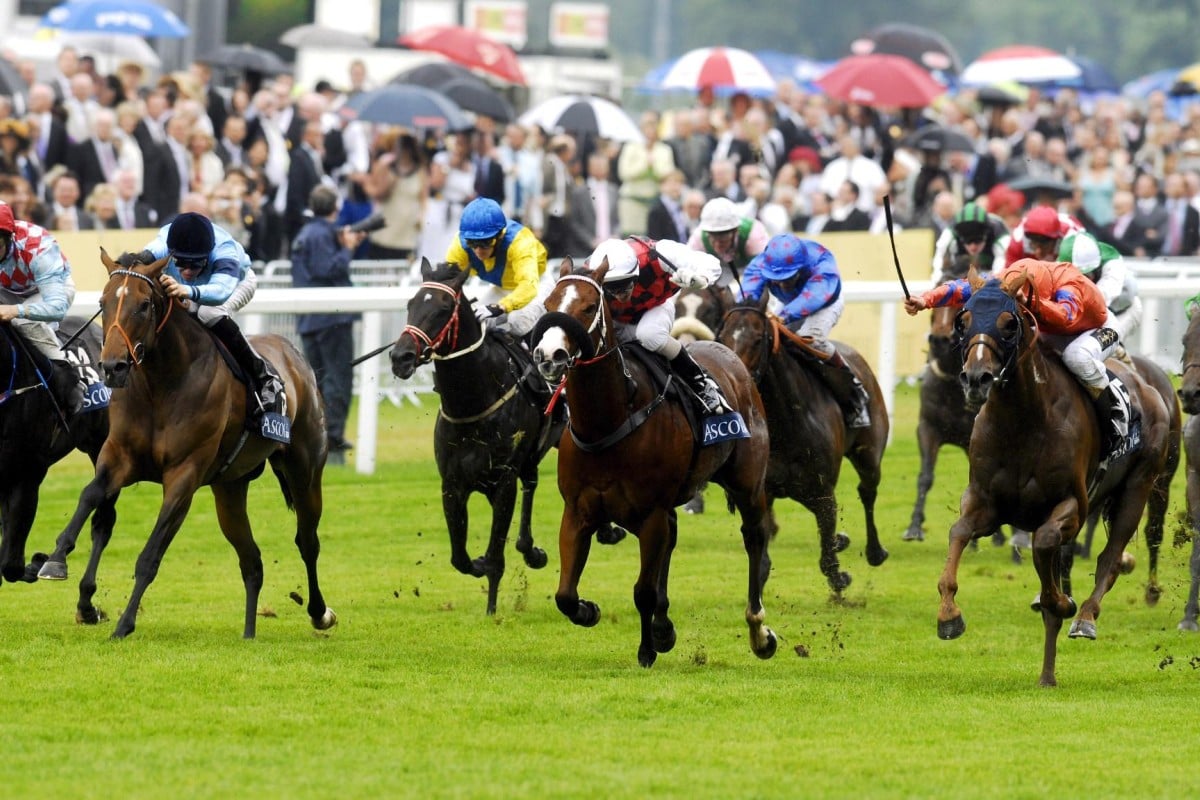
(19, 505)
(503, 499)
(1191, 611)
(235, 525)
(833, 541)
(454, 508)
(1126, 516)
(1156, 509)
(975, 519)
(929, 445)
(1053, 624)
(868, 489)
(574, 544)
(103, 521)
(102, 489)
(754, 515)
(654, 544)
(535, 557)
(661, 628)
(303, 483)
(1060, 528)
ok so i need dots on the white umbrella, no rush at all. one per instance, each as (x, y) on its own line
(1020, 63)
(584, 114)
(117, 46)
(313, 35)
(719, 68)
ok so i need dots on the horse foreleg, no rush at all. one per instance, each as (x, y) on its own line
(1156, 513)
(929, 446)
(833, 541)
(756, 514)
(868, 489)
(1191, 611)
(178, 490)
(662, 629)
(20, 507)
(1126, 516)
(1052, 624)
(503, 499)
(654, 542)
(112, 473)
(103, 521)
(1060, 528)
(235, 525)
(454, 509)
(574, 543)
(535, 557)
(975, 519)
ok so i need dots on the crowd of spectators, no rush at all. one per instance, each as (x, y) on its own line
(121, 151)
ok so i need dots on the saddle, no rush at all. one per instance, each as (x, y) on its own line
(270, 425)
(706, 430)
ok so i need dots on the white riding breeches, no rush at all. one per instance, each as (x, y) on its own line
(653, 330)
(818, 324)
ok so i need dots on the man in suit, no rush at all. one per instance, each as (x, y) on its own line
(132, 212)
(666, 219)
(95, 159)
(1125, 232)
(693, 150)
(167, 168)
(556, 193)
(723, 181)
(51, 142)
(844, 213)
(976, 174)
(65, 213)
(214, 101)
(1150, 213)
(592, 217)
(231, 147)
(1182, 236)
(305, 173)
(489, 172)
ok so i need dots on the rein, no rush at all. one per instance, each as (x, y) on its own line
(448, 333)
(9, 392)
(137, 353)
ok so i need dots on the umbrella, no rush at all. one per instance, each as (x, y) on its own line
(313, 35)
(477, 97)
(1161, 81)
(938, 139)
(880, 80)
(582, 114)
(1094, 77)
(139, 17)
(1003, 93)
(467, 47)
(433, 74)
(718, 68)
(245, 57)
(116, 46)
(798, 69)
(409, 106)
(1032, 186)
(926, 48)
(1022, 63)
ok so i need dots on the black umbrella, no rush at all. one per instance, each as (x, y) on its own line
(410, 106)
(245, 57)
(479, 98)
(434, 74)
(997, 96)
(1035, 185)
(923, 46)
(938, 138)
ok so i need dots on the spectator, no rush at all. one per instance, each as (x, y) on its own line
(398, 186)
(65, 214)
(556, 194)
(131, 212)
(101, 207)
(641, 166)
(844, 211)
(206, 167)
(666, 219)
(594, 216)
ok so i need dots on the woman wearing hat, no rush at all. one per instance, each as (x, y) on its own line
(14, 151)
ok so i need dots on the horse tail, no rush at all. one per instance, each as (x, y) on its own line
(284, 488)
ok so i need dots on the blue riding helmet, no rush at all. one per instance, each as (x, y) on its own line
(782, 258)
(482, 218)
(191, 237)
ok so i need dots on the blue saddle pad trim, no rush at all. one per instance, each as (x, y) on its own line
(723, 428)
(95, 397)
(276, 427)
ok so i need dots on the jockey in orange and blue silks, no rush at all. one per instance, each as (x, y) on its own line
(506, 256)
(803, 275)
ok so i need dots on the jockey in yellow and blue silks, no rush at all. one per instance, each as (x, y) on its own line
(506, 256)
(804, 277)
(209, 272)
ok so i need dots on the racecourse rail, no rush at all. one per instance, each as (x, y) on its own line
(1163, 285)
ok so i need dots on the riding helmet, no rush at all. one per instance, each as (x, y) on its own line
(482, 218)
(191, 236)
(971, 222)
(719, 214)
(622, 261)
(7, 223)
(782, 258)
(1043, 221)
(1081, 250)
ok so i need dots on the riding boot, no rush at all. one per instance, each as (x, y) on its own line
(64, 382)
(1112, 405)
(700, 382)
(851, 395)
(268, 389)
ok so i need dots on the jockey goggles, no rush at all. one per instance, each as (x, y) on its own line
(191, 262)
(480, 243)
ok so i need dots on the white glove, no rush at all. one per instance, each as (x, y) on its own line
(484, 313)
(688, 278)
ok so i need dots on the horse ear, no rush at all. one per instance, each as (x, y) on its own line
(426, 268)
(565, 267)
(107, 261)
(974, 278)
(763, 301)
(600, 271)
(155, 269)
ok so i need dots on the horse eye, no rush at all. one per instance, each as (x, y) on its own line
(144, 308)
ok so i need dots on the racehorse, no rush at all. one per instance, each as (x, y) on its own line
(33, 438)
(630, 455)
(1034, 458)
(490, 430)
(178, 416)
(1189, 395)
(809, 437)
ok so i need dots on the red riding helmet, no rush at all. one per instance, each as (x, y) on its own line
(1043, 221)
(7, 223)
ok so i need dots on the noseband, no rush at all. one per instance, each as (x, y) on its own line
(137, 352)
(1005, 353)
(769, 341)
(448, 335)
(576, 328)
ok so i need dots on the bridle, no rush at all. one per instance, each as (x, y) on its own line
(428, 346)
(1006, 354)
(137, 352)
(769, 341)
(598, 322)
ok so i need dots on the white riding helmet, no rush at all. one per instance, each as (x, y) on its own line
(622, 261)
(719, 214)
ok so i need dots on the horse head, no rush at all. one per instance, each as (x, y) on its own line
(992, 327)
(577, 323)
(436, 322)
(748, 332)
(945, 349)
(134, 307)
(1189, 385)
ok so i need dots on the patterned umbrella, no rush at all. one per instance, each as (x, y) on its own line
(409, 106)
(582, 114)
(922, 46)
(1021, 63)
(880, 80)
(718, 68)
(139, 17)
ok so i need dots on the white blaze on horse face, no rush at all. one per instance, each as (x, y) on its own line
(553, 340)
(121, 291)
(980, 351)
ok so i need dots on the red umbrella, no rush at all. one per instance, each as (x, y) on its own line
(880, 80)
(468, 47)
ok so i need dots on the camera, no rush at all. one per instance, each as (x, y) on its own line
(368, 224)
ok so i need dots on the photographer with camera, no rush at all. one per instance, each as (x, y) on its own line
(321, 256)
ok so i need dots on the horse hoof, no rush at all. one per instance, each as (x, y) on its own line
(478, 567)
(610, 534)
(840, 581)
(1153, 594)
(951, 628)
(89, 616)
(768, 650)
(536, 558)
(840, 541)
(663, 637)
(53, 571)
(646, 656)
(876, 557)
(587, 615)
(1127, 563)
(1036, 605)
(325, 621)
(998, 539)
(695, 505)
(1188, 624)
(913, 535)
(1082, 629)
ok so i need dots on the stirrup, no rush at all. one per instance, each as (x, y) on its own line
(858, 418)
(710, 396)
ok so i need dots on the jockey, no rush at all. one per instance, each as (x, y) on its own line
(734, 240)
(643, 276)
(1038, 234)
(36, 289)
(1072, 317)
(803, 275)
(1104, 265)
(974, 237)
(210, 274)
(506, 255)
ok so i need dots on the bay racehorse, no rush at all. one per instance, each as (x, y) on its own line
(491, 431)
(1034, 455)
(1189, 395)
(178, 416)
(809, 437)
(631, 455)
(33, 438)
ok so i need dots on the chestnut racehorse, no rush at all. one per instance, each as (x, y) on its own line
(630, 456)
(178, 417)
(1034, 454)
(1189, 395)
(809, 437)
